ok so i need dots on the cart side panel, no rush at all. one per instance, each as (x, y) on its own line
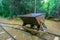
(29, 20)
(40, 19)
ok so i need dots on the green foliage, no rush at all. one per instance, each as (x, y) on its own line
(48, 7)
(9, 8)
(0, 10)
(4, 9)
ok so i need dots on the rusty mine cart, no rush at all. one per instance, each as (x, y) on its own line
(34, 19)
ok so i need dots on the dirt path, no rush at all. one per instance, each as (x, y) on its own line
(53, 27)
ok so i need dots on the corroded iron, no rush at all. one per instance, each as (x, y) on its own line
(34, 19)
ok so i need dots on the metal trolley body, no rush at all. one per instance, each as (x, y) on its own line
(34, 19)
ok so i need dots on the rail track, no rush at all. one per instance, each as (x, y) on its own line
(2, 25)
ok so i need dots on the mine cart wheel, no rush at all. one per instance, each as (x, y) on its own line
(43, 27)
(24, 24)
(38, 27)
(32, 26)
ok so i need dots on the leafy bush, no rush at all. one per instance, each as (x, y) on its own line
(9, 8)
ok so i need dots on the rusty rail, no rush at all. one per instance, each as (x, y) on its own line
(26, 26)
(8, 33)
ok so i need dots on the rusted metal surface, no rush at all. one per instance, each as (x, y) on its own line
(33, 19)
